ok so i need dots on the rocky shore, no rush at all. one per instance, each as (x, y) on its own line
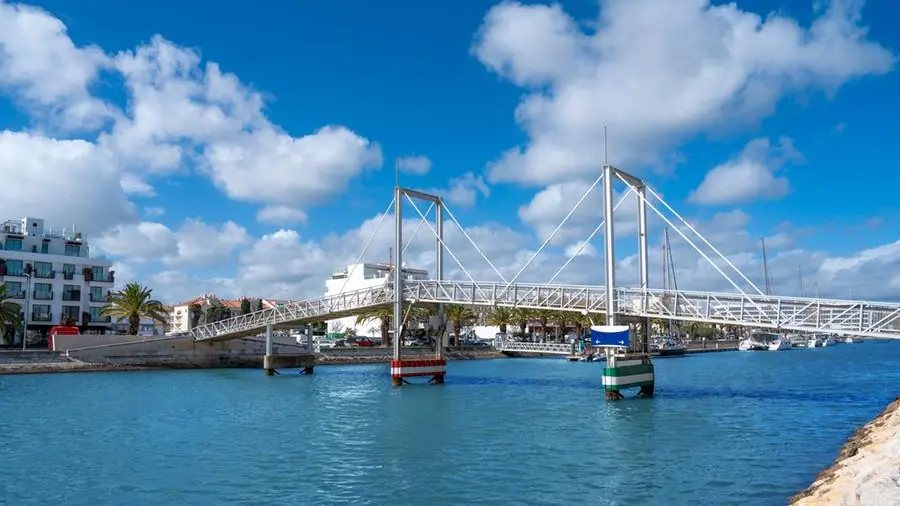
(866, 472)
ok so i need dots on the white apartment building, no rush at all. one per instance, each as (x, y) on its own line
(359, 276)
(52, 275)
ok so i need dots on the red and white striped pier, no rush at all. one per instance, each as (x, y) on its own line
(434, 367)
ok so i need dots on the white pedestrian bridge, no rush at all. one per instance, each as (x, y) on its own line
(794, 314)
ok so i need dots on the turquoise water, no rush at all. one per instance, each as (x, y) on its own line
(724, 428)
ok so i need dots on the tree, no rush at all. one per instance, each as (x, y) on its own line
(521, 317)
(245, 306)
(501, 317)
(383, 315)
(9, 314)
(543, 316)
(134, 302)
(458, 316)
(259, 305)
(196, 312)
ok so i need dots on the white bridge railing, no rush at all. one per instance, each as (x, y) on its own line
(861, 318)
(544, 348)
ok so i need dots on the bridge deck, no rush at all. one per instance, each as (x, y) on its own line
(795, 314)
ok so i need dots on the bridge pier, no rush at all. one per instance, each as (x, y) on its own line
(435, 367)
(272, 361)
(628, 371)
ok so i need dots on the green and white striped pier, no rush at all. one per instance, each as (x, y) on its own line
(628, 371)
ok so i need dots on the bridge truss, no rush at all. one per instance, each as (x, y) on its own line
(746, 306)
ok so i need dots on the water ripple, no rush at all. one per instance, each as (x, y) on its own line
(499, 432)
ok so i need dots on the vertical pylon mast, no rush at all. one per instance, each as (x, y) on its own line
(397, 320)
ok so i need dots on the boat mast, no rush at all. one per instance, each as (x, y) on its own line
(800, 273)
(766, 267)
(669, 270)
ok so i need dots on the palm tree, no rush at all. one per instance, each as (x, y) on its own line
(501, 317)
(458, 315)
(544, 316)
(522, 316)
(9, 314)
(134, 302)
(383, 315)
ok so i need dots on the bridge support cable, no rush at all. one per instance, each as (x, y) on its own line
(450, 251)
(368, 243)
(582, 246)
(696, 248)
(418, 226)
(553, 234)
(589, 239)
(698, 234)
(466, 234)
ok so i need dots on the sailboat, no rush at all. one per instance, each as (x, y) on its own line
(669, 344)
(761, 340)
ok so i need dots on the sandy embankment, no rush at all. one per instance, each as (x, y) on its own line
(867, 471)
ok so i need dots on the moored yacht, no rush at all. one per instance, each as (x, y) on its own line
(669, 346)
(817, 341)
(829, 340)
(853, 339)
(765, 341)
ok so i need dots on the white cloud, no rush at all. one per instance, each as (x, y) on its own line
(61, 181)
(41, 65)
(752, 175)
(179, 116)
(154, 211)
(418, 165)
(463, 190)
(194, 244)
(133, 185)
(549, 207)
(656, 72)
(281, 215)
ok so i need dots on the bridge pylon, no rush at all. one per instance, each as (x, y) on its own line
(633, 368)
(434, 368)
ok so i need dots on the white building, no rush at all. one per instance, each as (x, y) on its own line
(52, 276)
(357, 277)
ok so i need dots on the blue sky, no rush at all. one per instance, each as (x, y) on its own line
(420, 78)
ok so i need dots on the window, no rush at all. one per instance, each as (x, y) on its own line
(14, 268)
(95, 314)
(45, 247)
(43, 270)
(97, 294)
(72, 312)
(43, 291)
(14, 290)
(99, 275)
(73, 250)
(13, 244)
(71, 292)
(40, 312)
(69, 271)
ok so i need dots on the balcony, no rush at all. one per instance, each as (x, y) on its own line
(68, 275)
(45, 274)
(100, 298)
(101, 319)
(16, 295)
(74, 295)
(40, 317)
(42, 295)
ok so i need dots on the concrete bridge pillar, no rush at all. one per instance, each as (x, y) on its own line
(272, 361)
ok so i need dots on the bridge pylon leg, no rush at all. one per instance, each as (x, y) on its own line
(401, 368)
(272, 361)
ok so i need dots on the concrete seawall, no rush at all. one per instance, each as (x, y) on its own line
(866, 472)
(91, 353)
